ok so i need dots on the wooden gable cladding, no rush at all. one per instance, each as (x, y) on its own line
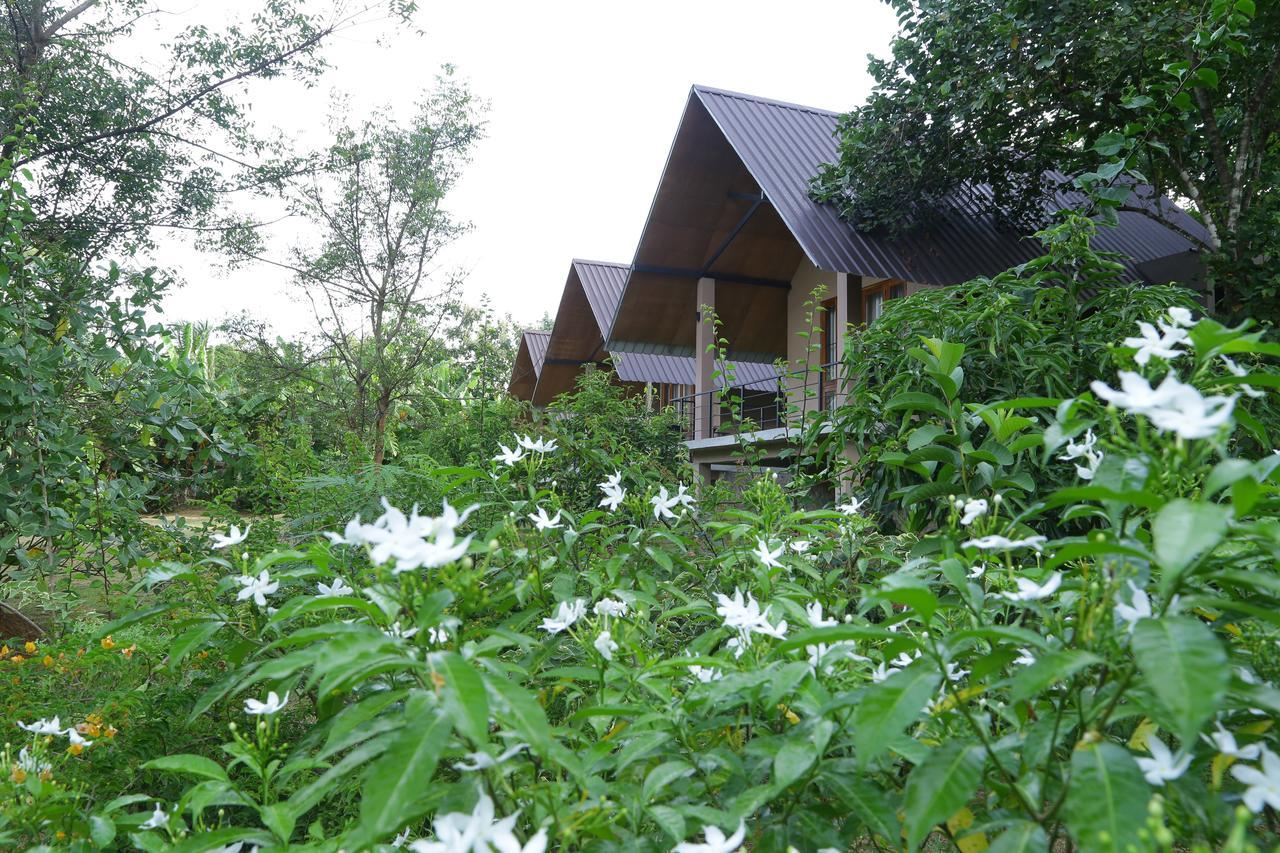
(528, 364)
(708, 217)
(575, 342)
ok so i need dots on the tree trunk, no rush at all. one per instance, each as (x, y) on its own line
(380, 431)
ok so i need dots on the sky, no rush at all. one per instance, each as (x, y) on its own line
(584, 98)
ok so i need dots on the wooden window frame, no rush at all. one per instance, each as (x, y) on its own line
(890, 288)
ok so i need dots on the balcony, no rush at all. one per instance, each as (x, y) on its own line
(768, 404)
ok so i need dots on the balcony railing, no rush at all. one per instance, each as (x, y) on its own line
(763, 404)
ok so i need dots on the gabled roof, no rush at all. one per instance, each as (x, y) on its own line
(528, 363)
(733, 204)
(784, 145)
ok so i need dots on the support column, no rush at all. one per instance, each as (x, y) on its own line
(848, 312)
(704, 360)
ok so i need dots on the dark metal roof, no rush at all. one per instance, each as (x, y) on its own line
(784, 145)
(603, 282)
(536, 340)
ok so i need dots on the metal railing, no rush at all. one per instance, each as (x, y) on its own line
(770, 403)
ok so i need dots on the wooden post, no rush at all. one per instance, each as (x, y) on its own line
(704, 359)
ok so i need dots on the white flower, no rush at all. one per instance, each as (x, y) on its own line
(614, 494)
(232, 537)
(605, 645)
(745, 617)
(566, 614)
(1161, 767)
(954, 672)
(507, 456)
(1029, 590)
(1173, 406)
(158, 819)
(852, 506)
(412, 542)
(715, 841)
(977, 571)
(31, 764)
(801, 546)
(767, 557)
(1263, 785)
(905, 660)
(1084, 450)
(400, 839)
(483, 760)
(256, 588)
(539, 446)
(337, 588)
(1140, 609)
(1179, 316)
(881, 672)
(1001, 543)
(273, 705)
(1024, 658)
(814, 611)
(610, 607)
(973, 510)
(395, 632)
(1225, 742)
(704, 674)
(1162, 344)
(438, 636)
(49, 726)
(683, 497)
(478, 832)
(76, 739)
(1237, 370)
(543, 522)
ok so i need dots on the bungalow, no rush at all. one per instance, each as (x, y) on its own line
(528, 363)
(732, 228)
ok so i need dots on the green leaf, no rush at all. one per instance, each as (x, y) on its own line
(132, 619)
(1023, 837)
(664, 774)
(1185, 666)
(1106, 798)
(396, 783)
(1109, 144)
(869, 803)
(1049, 668)
(791, 762)
(465, 698)
(939, 786)
(102, 830)
(194, 765)
(1184, 530)
(889, 706)
(518, 708)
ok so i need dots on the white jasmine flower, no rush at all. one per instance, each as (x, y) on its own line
(881, 672)
(614, 494)
(851, 506)
(715, 841)
(395, 632)
(1029, 590)
(663, 503)
(76, 739)
(973, 510)
(478, 832)
(905, 660)
(566, 614)
(1263, 785)
(353, 535)
(158, 819)
(1173, 406)
(745, 617)
(801, 546)
(767, 557)
(610, 607)
(1179, 316)
(1001, 543)
(1024, 658)
(539, 446)
(232, 537)
(814, 611)
(1237, 370)
(414, 541)
(704, 674)
(1162, 344)
(954, 672)
(483, 760)
(1140, 609)
(337, 588)
(507, 456)
(273, 705)
(542, 522)
(400, 839)
(438, 636)
(1084, 449)
(977, 571)
(1161, 767)
(605, 645)
(1225, 742)
(31, 764)
(49, 726)
(256, 588)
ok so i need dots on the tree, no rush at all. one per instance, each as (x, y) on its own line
(1182, 97)
(371, 280)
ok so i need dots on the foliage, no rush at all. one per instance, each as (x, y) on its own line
(1013, 95)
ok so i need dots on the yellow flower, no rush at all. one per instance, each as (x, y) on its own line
(128, 653)
(18, 659)
(75, 749)
(60, 835)
(30, 647)
(108, 643)
(18, 775)
(4, 651)
(110, 731)
(48, 660)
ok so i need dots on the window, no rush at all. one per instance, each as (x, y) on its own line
(874, 296)
(830, 336)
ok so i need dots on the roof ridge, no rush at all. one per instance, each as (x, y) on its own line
(773, 102)
(601, 263)
(535, 331)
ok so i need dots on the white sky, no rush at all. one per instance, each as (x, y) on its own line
(584, 96)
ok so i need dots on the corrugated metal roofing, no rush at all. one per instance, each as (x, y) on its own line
(603, 283)
(536, 340)
(784, 145)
